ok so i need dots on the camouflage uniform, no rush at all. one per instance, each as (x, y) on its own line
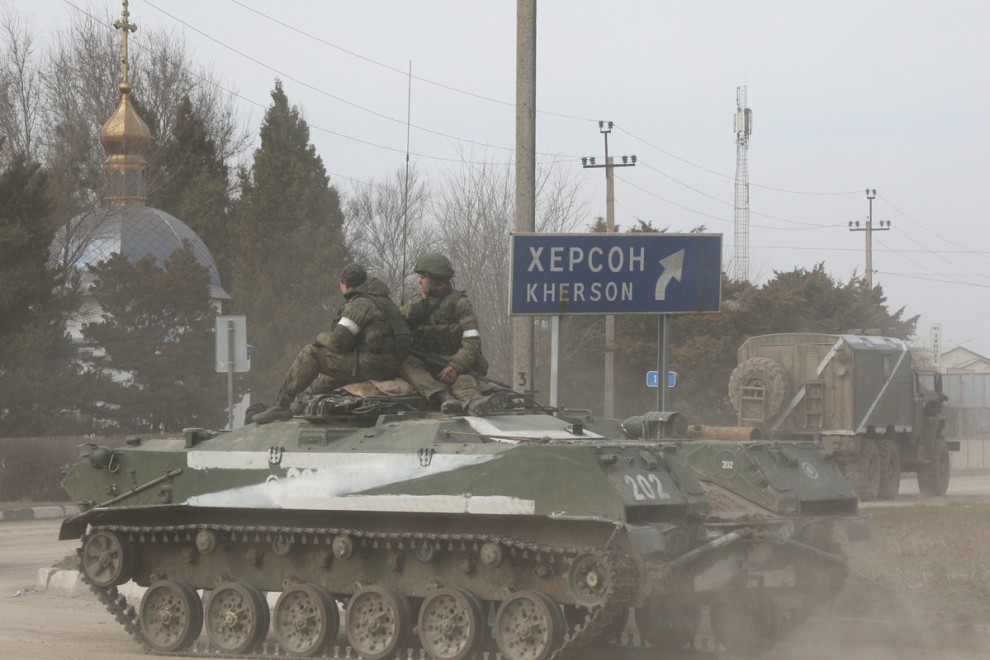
(444, 326)
(367, 342)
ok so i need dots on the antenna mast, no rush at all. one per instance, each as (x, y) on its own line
(743, 127)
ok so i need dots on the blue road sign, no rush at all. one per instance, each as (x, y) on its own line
(563, 274)
(653, 379)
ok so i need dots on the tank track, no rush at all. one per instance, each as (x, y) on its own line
(622, 580)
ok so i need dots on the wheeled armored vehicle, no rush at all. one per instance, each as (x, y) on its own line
(531, 532)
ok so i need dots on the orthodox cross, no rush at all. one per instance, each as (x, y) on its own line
(124, 26)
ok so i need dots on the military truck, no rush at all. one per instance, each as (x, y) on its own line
(861, 396)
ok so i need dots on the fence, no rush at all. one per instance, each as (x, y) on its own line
(967, 412)
(973, 454)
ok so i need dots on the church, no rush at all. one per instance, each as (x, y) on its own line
(124, 223)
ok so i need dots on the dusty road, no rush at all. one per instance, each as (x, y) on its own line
(45, 625)
(38, 624)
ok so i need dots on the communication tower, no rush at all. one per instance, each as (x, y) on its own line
(743, 125)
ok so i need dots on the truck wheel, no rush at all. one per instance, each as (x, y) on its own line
(863, 471)
(765, 373)
(890, 468)
(933, 478)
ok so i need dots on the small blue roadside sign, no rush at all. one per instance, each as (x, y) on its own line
(563, 274)
(653, 379)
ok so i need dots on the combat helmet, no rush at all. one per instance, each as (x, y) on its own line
(435, 265)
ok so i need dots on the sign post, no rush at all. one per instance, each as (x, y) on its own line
(566, 274)
(231, 355)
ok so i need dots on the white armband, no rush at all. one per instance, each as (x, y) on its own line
(353, 327)
(470, 333)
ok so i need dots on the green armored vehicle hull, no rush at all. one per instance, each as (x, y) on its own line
(532, 531)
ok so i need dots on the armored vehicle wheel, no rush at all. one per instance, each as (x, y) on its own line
(379, 621)
(668, 627)
(450, 624)
(171, 616)
(588, 579)
(890, 469)
(107, 559)
(236, 617)
(863, 471)
(763, 373)
(305, 619)
(528, 626)
(933, 478)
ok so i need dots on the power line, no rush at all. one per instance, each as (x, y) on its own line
(317, 127)
(555, 157)
(727, 203)
(806, 225)
(307, 85)
(933, 233)
(727, 176)
(400, 71)
(912, 276)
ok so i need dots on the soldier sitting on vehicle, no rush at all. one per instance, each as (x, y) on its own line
(446, 349)
(367, 342)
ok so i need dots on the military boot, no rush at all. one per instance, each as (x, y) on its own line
(448, 404)
(484, 405)
(277, 413)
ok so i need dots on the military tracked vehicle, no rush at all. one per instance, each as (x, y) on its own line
(861, 396)
(529, 532)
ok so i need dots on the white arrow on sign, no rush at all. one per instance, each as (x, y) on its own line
(672, 268)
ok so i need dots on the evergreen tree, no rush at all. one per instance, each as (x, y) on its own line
(38, 384)
(289, 247)
(193, 179)
(155, 355)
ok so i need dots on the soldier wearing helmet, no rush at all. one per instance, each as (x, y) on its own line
(368, 341)
(445, 329)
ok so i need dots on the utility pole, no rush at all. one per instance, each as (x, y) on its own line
(605, 127)
(871, 193)
(523, 376)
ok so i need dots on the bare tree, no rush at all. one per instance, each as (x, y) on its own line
(474, 212)
(386, 228)
(20, 88)
(81, 92)
(163, 73)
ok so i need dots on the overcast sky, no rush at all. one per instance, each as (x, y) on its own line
(846, 95)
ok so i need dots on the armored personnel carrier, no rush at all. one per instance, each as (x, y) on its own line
(529, 531)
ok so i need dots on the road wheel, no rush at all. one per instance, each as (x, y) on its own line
(890, 468)
(379, 621)
(863, 471)
(451, 624)
(306, 620)
(528, 626)
(171, 616)
(107, 559)
(767, 374)
(933, 478)
(237, 617)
